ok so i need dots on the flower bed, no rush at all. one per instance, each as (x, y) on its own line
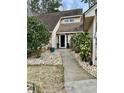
(90, 69)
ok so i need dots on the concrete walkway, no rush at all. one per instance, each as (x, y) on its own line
(76, 79)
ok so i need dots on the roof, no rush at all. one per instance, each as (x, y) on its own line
(51, 19)
(71, 27)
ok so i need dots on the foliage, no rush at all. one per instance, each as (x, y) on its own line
(37, 35)
(35, 6)
(85, 1)
(53, 6)
(85, 47)
(81, 43)
(76, 41)
(90, 2)
(45, 6)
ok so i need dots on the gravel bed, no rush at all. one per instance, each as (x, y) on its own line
(47, 58)
(46, 73)
(90, 69)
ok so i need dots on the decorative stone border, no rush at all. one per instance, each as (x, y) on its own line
(90, 69)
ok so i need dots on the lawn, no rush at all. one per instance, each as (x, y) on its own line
(47, 78)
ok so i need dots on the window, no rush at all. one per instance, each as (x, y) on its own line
(66, 20)
(71, 20)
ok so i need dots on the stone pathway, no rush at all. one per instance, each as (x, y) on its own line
(77, 80)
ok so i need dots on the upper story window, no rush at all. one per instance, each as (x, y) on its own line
(72, 20)
(66, 20)
(69, 20)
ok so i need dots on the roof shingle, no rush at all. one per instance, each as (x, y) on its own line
(51, 19)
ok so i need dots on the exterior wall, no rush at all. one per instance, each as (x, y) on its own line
(69, 37)
(54, 42)
(57, 40)
(92, 32)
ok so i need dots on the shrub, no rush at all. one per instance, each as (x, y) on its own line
(37, 35)
(85, 47)
(81, 43)
(76, 40)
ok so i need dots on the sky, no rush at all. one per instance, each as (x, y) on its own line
(73, 4)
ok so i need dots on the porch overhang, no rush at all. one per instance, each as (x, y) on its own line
(87, 22)
(69, 32)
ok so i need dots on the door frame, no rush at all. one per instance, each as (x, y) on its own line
(60, 41)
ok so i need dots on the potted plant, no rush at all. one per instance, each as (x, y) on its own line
(52, 49)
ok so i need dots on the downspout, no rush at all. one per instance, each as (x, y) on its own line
(94, 41)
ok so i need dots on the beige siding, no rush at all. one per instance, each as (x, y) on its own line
(90, 30)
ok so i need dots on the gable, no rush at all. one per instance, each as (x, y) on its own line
(75, 26)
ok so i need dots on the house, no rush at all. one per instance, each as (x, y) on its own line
(90, 25)
(62, 25)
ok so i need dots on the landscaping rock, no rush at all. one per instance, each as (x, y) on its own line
(90, 69)
(47, 58)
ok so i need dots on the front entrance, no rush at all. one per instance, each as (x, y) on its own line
(62, 41)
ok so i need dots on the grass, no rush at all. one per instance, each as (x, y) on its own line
(47, 78)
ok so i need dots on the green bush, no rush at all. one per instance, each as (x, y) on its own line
(37, 35)
(85, 48)
(75, 43)
(81, 43)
